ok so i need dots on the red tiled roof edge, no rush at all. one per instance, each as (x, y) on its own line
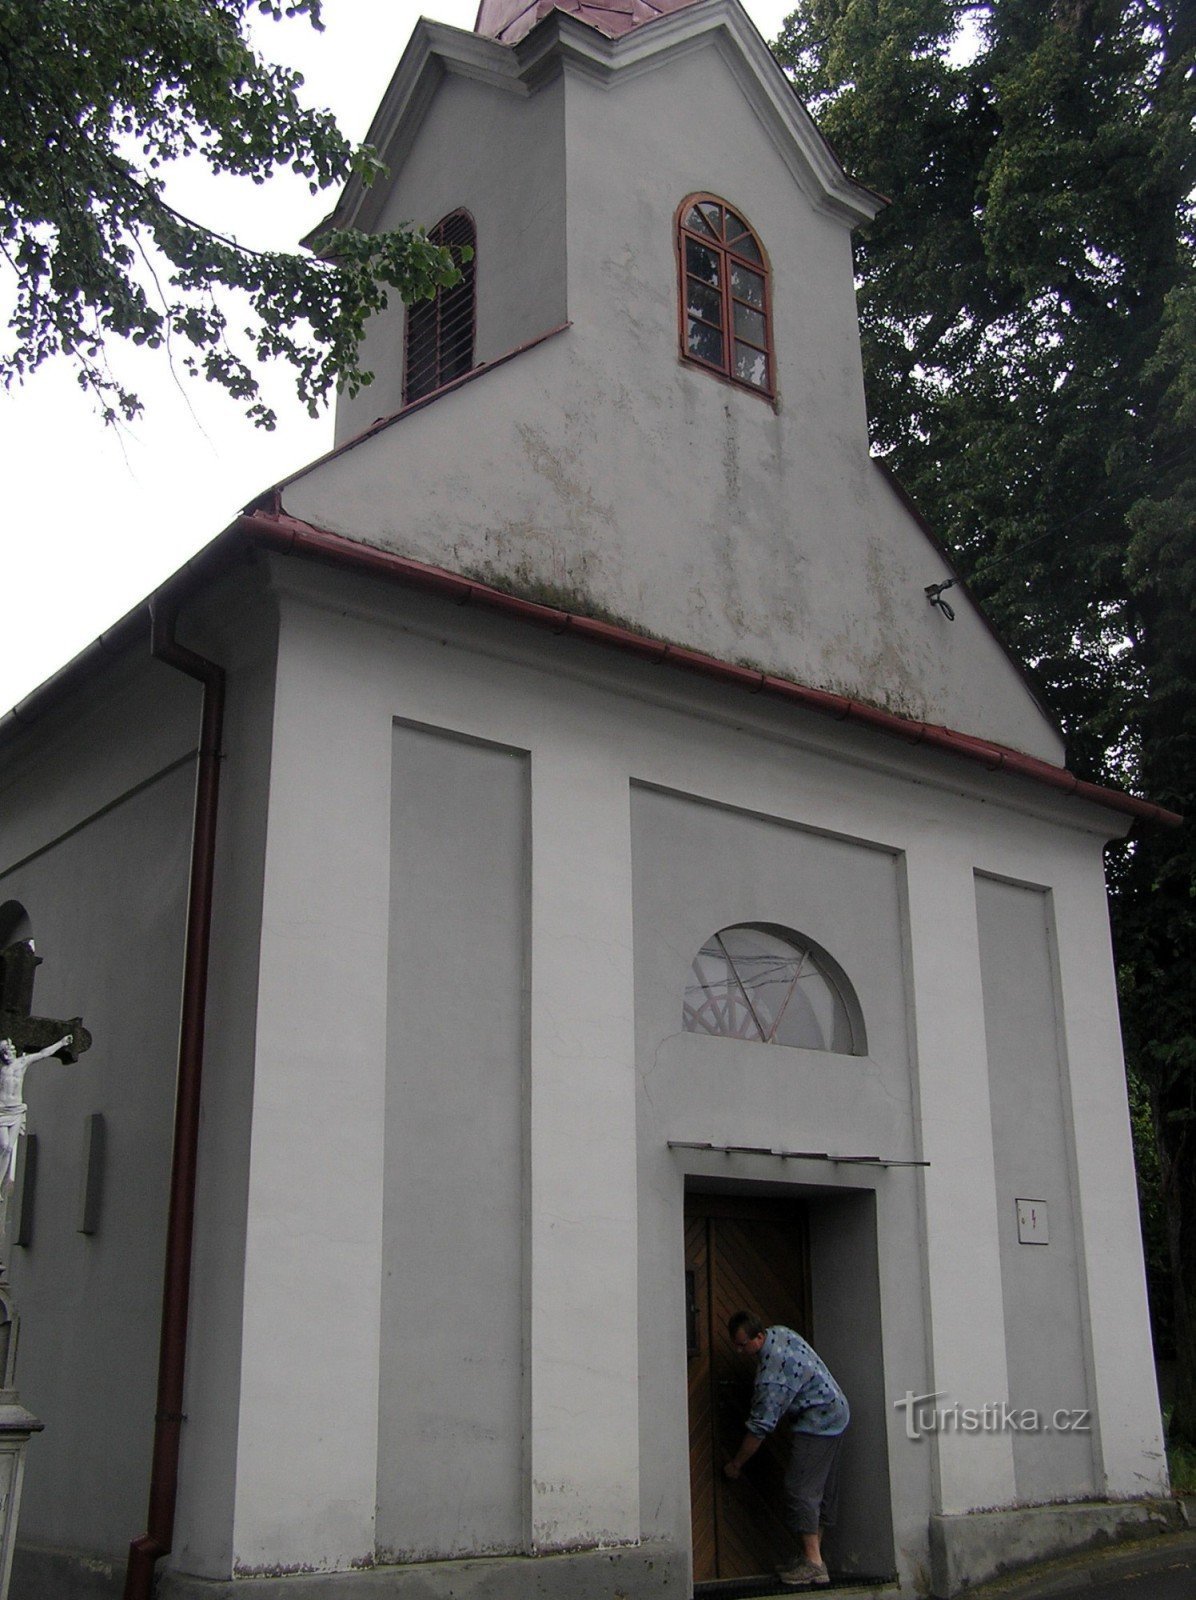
(510, 21)
(275, 530)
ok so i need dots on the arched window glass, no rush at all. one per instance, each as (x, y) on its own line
(440, 330)
(773, 986)
(724, 294)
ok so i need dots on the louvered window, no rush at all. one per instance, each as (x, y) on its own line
(440, 331)
(725, 318)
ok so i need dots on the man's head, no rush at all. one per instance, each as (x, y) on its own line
(747, 1332)
(7, 1051)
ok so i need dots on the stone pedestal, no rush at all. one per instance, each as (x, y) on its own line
(16, 1425)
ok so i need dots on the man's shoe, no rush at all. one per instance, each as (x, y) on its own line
(805, 1575)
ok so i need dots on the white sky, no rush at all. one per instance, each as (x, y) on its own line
(93, 517)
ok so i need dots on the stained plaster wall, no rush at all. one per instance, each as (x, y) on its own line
(95, 824)
(602, 1347)
(601, 470)
(777, 523)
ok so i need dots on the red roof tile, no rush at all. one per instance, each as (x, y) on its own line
(508, 20)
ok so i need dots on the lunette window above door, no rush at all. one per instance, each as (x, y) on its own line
(756, 981)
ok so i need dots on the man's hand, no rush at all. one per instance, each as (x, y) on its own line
(751, 1443)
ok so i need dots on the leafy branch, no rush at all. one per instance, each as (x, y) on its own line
(97, 97)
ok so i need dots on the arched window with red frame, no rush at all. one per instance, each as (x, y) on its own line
(440, 331)
(725, 315)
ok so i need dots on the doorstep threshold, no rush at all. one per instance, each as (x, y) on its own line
(769, 1588)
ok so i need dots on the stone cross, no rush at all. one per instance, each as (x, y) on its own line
(18, 964)
(24, 1040)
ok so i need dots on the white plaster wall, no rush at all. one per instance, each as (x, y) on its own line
(603, 1246)
(133, 719)
(1129, 1446)
(451, 1384)
(501, 157)
(306, 1473)
(1044, 1328)
(699, 867)
(968, 1363)
(583, 1463)
(850, 1333)
(602, 471)
(307, 1423)
(95, 824)
(239, 630)
(938, 1238)
(778, 525)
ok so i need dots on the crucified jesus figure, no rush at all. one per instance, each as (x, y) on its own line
(13, 1068)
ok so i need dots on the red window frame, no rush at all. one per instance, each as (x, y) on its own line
(438, 345)
(724, 294)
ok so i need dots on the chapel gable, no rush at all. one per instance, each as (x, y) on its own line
(644, 399)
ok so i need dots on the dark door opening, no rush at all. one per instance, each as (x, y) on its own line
(751, 1255)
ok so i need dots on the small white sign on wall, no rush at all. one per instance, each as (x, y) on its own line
(1032, 1222)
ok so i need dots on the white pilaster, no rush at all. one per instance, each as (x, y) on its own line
(1129, 1443)
(583, 1461)
(965, 1311)
(307, 1445)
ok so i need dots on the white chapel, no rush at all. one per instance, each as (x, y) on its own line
(551, 874)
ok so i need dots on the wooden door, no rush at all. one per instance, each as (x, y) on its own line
(740, 1255)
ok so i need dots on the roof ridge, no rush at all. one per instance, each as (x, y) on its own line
(508, 21)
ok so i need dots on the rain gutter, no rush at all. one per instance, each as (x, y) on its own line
(273, 529)
(268, 527)
(149, 1547)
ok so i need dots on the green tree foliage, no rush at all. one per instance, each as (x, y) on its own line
(97, 97)
(1028, 312)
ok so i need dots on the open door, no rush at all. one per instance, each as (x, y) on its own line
(749, 1255)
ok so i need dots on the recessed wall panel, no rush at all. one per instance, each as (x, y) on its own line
(108, 912)
(700, 867)
(451, 1402)
(1044, 1335)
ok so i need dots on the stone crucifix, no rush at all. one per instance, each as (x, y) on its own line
(24, 1039)
(12, 1108)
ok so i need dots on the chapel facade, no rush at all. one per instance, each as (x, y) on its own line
(597, 889)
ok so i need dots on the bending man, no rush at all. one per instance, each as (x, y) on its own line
(793, 1386)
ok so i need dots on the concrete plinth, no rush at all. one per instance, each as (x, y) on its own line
(654, 1571)
(16, 1426)
(645, 1572)
(41, 1572)
(968, 1549)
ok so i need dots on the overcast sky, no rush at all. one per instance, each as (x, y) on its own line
(95, 517)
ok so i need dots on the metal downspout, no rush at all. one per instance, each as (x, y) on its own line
(146, 1550)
